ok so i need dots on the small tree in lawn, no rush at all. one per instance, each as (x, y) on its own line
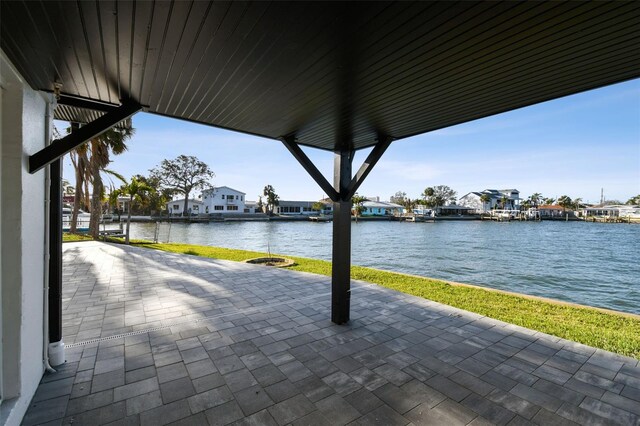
(273, 199)
(136, 190)
(183, 175)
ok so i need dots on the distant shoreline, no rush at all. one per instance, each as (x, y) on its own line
(305, 218)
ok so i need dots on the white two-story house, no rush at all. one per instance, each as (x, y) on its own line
(223, 199)
(473, 200)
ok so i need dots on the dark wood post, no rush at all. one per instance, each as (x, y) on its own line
(341, 257)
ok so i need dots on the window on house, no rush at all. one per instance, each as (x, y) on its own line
(223, 196)
(218, 207)
(176, 207)
(241, 198)
(236, 197)
(232, 207)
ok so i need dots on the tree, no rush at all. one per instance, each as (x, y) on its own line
(260, 204)
(486, 199)
(439, 195)
(136, 190)
(427, 195)
(577, 202)
(101, 147)
(408, 204)
(634, 200)
(357, 202)
(273, 199)
(80, 161)
(398, 198)
(183, 175)
(155, 199)
(503, 201)
(318, 206)
(549, 201)
(535, 198)
(565, 201)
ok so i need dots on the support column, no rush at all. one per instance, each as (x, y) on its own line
(341, 257)
(343, 189)
(56, 345)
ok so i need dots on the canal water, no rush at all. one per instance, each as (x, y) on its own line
(593, 264)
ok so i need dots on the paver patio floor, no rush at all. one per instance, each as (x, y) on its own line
(157, 338)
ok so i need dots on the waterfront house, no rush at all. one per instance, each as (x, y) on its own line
(223, 199)
(613, 211)
(381, 208)
(553, 211)
(194, 207)
(474, 203)
(295, 207)
(455, 209)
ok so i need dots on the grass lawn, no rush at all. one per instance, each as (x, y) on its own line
(74, 238)
(613, 332)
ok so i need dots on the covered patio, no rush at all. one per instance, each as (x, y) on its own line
(157, 338)
(339, 77)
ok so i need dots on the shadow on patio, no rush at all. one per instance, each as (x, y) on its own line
(157, 338)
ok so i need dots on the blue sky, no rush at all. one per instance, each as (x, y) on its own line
(574, 146)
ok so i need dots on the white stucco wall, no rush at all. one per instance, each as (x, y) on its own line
(23, 240)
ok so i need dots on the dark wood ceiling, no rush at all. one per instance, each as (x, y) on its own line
(332, 74)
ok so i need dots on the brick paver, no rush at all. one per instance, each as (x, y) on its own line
(206, 341)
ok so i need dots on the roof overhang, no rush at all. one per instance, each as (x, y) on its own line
(329, 75)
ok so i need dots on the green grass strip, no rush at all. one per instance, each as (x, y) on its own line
(611, 331)
(74, 238)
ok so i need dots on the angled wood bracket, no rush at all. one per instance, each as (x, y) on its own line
(294, 148)
(73, 101)
(60, 147)
(373, 157)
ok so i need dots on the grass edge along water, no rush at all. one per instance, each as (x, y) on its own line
(600, 328)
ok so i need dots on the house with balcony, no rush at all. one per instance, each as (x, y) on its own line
(473, 200)
(223, 199)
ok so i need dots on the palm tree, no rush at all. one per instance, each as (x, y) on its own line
(136, 190)
(427, 196)
(80, 161)
(565, 201)
(503, 201)
(357, 201)
(535, 198)
(273, 200)
(111, 141)
(577, 202)
(485, 198)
